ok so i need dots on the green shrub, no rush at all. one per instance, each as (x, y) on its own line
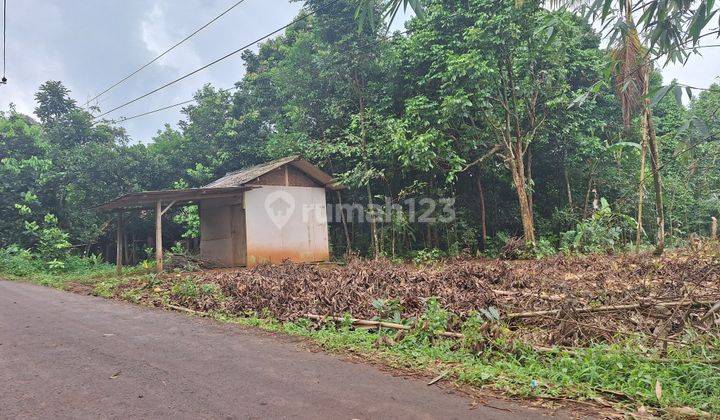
(540, 249)
(19, 262)
(426, 256)
(389, 310)
(186, 289)
(53, 243)
(22, 263)
(605, 232)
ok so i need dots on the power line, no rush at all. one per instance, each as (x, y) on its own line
(4, 79)
(230, 54)
(123, 119)
(164, 52)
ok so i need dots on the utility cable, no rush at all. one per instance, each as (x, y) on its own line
(141, 68)
(226, 56)
(4, 78)
(123, 119)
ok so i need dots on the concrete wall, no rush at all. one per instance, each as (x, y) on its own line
(286, 222)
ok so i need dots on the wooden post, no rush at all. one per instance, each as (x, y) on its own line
(120, 239)
(713, 229)
(158, 237)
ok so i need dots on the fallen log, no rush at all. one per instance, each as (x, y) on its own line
(186, 310)
(610, 308)
(377, 324)
(449, 334)
(531, 295)
(539, 349)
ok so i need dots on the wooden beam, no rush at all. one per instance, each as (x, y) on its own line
(150, 203)
(120, 240)
(158, 237)
(168, 207)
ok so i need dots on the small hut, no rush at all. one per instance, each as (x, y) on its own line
(271, 212)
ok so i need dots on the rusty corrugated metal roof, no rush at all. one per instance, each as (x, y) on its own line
(233, 182)
(245, 176)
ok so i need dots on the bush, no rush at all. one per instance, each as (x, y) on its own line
(541, 249)
(426, 256)
(605, 232)
(15, 261)
(53, 243)
(516, 248)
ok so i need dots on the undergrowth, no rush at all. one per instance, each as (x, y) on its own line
(615, 373)
(20, 264)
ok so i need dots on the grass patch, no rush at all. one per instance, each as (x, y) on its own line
(18, 264)
(620, 374)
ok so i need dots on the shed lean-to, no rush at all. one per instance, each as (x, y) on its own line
(271, 212)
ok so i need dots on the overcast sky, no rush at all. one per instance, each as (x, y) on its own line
(90, 44)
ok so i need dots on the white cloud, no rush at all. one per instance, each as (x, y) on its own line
(90, 45)
(158, 36)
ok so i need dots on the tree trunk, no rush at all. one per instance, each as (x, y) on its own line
(591, 181)
(359, 86)
(641, 187)
(344, 222)
(373, 225)
(482, 211)
(518, 174)
(657, 181)
(528, 178)
(567, 187)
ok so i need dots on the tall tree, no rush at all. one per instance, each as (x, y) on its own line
(495, 80)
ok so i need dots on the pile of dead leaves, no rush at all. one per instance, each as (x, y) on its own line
(566, 297)
(560, 300)
(290, 291)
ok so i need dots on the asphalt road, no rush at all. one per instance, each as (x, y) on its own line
(70, 356)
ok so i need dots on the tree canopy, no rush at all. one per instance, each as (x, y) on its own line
(504, 109)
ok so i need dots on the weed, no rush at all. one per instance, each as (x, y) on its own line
(186, 289)
(426, 256)
(606, 231)
(389, 310)
(106, 288)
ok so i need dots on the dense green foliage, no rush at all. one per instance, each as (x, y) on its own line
(500, 106)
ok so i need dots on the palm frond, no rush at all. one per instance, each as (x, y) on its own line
(365, 12)
(630, 67)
